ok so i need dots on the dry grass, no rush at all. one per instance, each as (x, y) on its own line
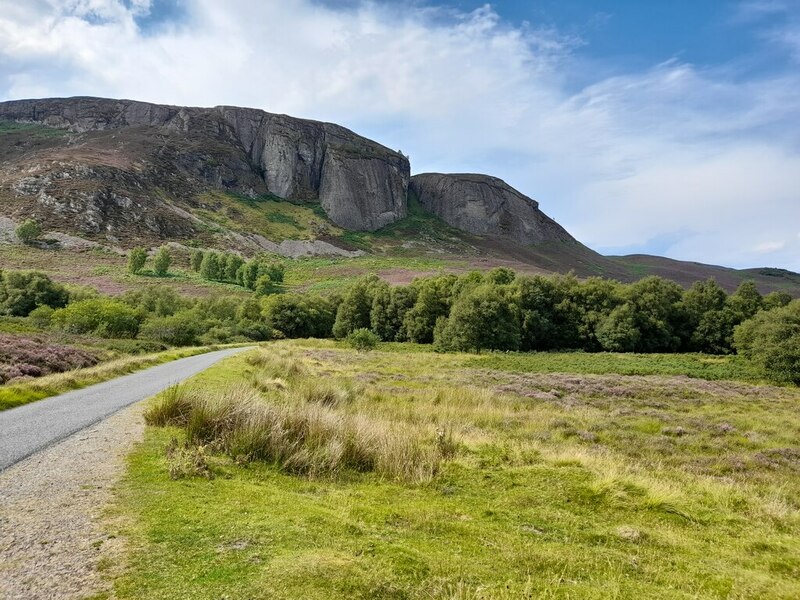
(304, 435)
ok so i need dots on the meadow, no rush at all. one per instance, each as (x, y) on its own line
(304, 469)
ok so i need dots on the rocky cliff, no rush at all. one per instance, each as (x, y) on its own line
(360, 184)
(485, 205)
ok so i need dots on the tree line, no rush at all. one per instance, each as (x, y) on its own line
(497, 310)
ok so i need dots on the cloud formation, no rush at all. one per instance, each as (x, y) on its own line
(701, 164)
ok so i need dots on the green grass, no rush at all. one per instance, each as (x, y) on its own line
(30, 129)
(702, 366)
(563, 486)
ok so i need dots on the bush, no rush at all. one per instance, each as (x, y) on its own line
(362, 340)
(136, 260)
(196, 260)
(28, 231)
(41, 316)
(162, 261)
(23, 291)
(180, 329)
(771, 340)
(34, 357)
(102, 316)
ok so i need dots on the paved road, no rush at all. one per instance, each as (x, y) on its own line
(31, 427)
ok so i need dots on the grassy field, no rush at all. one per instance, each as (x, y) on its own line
(528, 481)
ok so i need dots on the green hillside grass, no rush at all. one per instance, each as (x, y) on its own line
(562, 486)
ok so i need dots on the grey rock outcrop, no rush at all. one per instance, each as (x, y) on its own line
(485, 205)
(360, 184)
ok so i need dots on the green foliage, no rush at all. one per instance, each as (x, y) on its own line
(137, 258)
(485, 317)
(28, 231)
(181, 329)
(158, 300)
(776, 300)
(196, 260)
(356, 306)
(300, 316)
(362, 340)
(265, 286)
(433, 298)
(746, 301)
(100, 316)
(22, 291)
(162, 261)
(210, 267)
(618, 332)
(232, 264)
(41, 316)
(771, 339)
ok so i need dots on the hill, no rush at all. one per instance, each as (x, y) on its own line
(119, 173)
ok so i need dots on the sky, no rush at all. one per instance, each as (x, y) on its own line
(667, 127)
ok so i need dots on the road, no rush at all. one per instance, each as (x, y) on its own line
(29, 428)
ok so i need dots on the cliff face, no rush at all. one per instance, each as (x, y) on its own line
(486, 205)
(360, 184)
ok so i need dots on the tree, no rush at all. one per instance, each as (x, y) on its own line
(28, 231)
(486, 317)
(433, 301)
(709, 323)
(771, 339)
(137, 258)
(776, 299)
(161, 261)
(23, 291)
(197, 260)
(232, 264)
(210, 267)
(265, 286)
(354, 311)
(618, 331)
(657, 314)
(300, 316)
(746, 301)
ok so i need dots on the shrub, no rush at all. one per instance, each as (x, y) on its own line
(483, 317)
(136, 260)
(101, 316)
(162, 261)
(210, 266)
(33, 357)
(196, 260)
(41, 316)
(23, 291)
(180, 329)
(771, 340)
(28, 231)
(265, 286)
(362, 340)
(300, 316)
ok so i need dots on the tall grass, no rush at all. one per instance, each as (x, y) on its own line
(304, 437)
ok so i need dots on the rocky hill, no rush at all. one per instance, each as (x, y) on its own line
(122, 173)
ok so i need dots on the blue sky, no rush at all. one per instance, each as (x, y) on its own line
(668, 127)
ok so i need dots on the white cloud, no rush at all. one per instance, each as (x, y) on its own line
(622, 161)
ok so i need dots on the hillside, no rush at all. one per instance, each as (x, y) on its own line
(99, 173)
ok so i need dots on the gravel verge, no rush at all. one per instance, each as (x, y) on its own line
(51, 508)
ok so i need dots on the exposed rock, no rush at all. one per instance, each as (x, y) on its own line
(360, 184)
(486, 205)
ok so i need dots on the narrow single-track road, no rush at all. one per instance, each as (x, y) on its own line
(29, 428)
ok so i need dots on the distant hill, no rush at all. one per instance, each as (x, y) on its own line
(124, 173)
